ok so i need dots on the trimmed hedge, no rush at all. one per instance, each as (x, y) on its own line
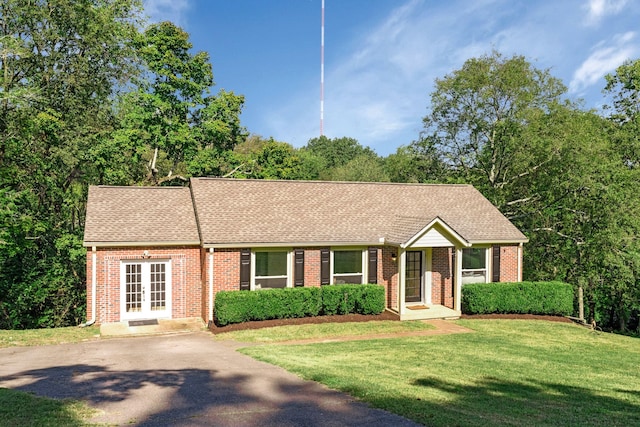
(345, 299)
(549, 298)
(242, 306)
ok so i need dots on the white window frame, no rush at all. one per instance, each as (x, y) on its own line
(363, 274)
(486, 268)
(288, 276)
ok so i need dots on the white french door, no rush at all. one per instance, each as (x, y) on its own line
(145, 289)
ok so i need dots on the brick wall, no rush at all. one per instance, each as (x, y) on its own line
(226, 273)
(509, 263)
(441, 277)
(388, 275)
(186, 291)
(311, 267)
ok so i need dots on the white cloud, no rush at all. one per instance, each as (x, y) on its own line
(605, 58)
(379, 91)
(598, 9)
(167, 10)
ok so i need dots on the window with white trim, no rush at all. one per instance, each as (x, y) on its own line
(348, 266)
(271, 269)
(474, 265)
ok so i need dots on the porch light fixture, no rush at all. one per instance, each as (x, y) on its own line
(145, 255)
(394, 257)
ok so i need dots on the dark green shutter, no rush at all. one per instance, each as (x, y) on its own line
(495, 265)
(325, 264)
(245, 269)
(298, 271)
(373, 265)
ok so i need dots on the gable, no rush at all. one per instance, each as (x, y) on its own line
(436, 236)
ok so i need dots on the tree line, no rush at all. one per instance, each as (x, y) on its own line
(90, 94)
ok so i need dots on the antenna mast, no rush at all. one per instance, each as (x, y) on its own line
(322, 73)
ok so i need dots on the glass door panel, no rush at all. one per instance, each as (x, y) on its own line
(413, 277)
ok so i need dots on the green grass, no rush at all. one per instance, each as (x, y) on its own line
(509, 372)
(23, 409)
(323, 331)
(29, 337)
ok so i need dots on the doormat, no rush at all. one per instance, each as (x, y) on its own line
(143, 322)
(417, 307)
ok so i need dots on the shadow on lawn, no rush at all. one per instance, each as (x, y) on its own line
(530, 402)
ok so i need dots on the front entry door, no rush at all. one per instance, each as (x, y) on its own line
(146, 289)
(413, 277)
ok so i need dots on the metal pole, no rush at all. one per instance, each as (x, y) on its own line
(322, 73)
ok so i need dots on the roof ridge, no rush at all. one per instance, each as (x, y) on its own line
(136, 187)
(306, 181)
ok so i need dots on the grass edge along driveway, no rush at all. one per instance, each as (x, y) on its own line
(509, 372)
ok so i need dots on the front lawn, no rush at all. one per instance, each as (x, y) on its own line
(509, 372)
(18, 408)
(324, 331)
(29, 337)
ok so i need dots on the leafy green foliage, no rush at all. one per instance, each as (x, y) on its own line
(549, 298)
(60, 63)
(87, 98)
(242, 306)
(565, 177)
(169, 118)
(346, 299)
(344, 159)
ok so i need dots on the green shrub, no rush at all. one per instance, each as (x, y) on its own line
(549, 298)
(371, 301)
(358, 299)
(242, 306)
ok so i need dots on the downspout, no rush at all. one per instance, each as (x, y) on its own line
(210, 285)
(94, 259)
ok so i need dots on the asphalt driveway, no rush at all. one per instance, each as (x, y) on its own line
(180, 380)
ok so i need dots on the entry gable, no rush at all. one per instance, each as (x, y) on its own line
(434, 235)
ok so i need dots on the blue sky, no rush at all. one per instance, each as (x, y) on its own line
(382, 56)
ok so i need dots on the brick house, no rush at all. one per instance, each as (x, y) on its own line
(164, 252)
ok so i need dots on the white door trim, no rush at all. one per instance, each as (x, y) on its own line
(144, 304)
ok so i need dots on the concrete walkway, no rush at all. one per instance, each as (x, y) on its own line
(180, 380)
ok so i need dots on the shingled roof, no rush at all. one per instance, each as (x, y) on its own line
(220, 212)
(140, 215)
(262, 212)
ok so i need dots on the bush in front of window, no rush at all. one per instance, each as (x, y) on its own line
(357, 299)
(241, 306)
(547, 298)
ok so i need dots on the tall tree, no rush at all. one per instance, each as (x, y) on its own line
(59, 63)
(477, 116)
(171, 116)
(623, 87)
(336, 152)
(502, 125)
